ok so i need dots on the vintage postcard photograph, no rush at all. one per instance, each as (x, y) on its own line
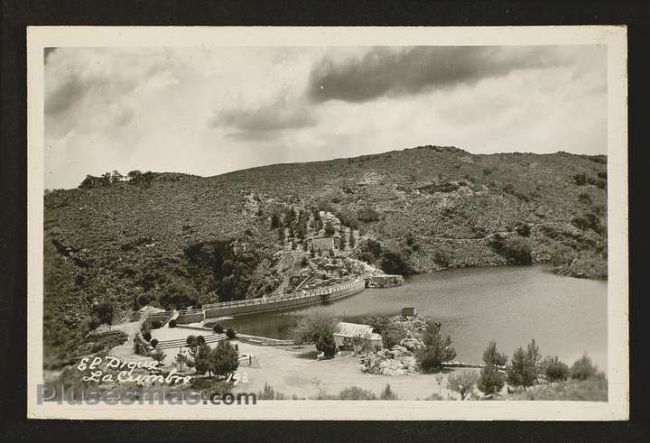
(328, 223)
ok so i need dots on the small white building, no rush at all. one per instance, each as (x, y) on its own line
(356, 336)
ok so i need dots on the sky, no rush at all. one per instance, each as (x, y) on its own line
(208, 110)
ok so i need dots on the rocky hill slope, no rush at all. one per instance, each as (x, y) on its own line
(177, 240)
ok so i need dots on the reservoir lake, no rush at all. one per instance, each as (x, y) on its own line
(511, 305)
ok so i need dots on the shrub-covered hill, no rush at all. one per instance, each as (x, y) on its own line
(177, 239)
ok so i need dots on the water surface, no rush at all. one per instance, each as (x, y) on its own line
(511, 305)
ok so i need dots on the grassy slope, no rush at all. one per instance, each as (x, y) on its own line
(123, 240)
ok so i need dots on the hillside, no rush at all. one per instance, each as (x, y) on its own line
(177, 240)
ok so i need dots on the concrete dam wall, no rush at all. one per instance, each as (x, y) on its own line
(302, 298)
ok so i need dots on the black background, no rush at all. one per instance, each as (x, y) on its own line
(16, 15)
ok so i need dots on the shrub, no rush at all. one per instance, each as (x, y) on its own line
(462, 382)
(388, 394)
(441, 258)
(554, 369)
(156, 324)
(583, 368)
(158, 355)
(393, 262)
(491, 380)
(304, 262)
(580, 179)
(436, 348)
(356, 393)
(231, 334)
(147, 336)
(153, 343)
(270, 394)
(218, 329)
(392, 335)
(523, 229)
(172, 323)
(584, 198)
(368, 214)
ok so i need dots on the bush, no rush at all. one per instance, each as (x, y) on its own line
(393, 262)
(156, 324)
(463, 382)
(356, 393)
(523, 229)
(392, 335)
(153, 343)
(231, 334)
(584, 198)
(368, 214)
(270, 394)
(387, 394)
(583, 368)
(554, 369)
(172, 323)
(580, 179)
(158, 355)
(218, 329)
(491, 380)
(518, 250)
(147, 336)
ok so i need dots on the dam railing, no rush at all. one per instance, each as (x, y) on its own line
(304, 297)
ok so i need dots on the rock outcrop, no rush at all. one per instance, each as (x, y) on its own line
(385, 281)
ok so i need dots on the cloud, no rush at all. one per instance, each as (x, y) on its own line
(386, 71)
(267, 120)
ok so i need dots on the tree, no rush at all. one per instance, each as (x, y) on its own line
(218, 329)
(352, 241)
(493, 357)
(104, 312)
(342, 241)
(224, 359)
(231, 334)
(154, 343)
(583, 368)
(436, 348)
(281, 233)
(554, 369)
(318, 329)
(275, 220)
(329, 229)
(147, 336)
(521, 371)
(462, 382)
(534, 357)
(393, 262)
(491, 380)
